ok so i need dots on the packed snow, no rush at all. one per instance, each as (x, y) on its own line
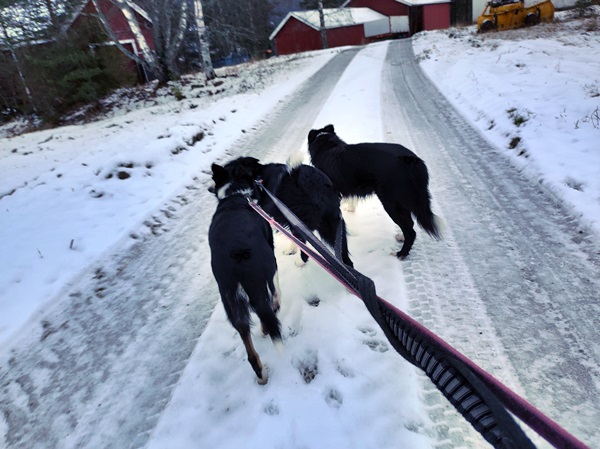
(70, 195)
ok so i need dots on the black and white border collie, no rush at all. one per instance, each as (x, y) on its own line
(307, 192)
(243, 262)
(392, 172)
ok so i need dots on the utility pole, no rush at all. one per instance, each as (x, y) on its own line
(323, 30)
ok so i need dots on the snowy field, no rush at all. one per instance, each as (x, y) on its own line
(69, 196)
(537, 100)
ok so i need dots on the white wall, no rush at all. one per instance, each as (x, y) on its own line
(478, 6)
(377, 27)
(399, 24)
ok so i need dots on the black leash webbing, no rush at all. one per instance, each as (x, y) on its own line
(466, 386)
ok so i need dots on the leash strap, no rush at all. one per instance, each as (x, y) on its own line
(480, 398)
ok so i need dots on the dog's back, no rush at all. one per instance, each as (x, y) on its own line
(241, 245)
(244, 265)
(391, 171)
(306, 191)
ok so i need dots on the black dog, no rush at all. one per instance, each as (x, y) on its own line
(243, 262)
(394, 173)
(307, 192)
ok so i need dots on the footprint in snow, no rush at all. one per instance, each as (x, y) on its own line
(368, 331)
(271, 409)
(334, 398)
(313, 301)
(345, 371)
(308, 366)
(377, 345)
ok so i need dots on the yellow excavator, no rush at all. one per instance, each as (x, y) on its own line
(508, 14)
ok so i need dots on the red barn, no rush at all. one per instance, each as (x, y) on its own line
(359, 22)
(423, 15)
(82, 18)
(119, 26)
(301, 30)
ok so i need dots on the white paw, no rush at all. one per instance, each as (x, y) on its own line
(349, 204)
(265, 376)
(300, 263)
(291, 249)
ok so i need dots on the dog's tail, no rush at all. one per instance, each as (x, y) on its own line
(430, 222)
(262, 304)
(271, 324)
(295, 159)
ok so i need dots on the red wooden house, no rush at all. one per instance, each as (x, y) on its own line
(82, 19)
(301, 30)
(359, 22)
(423, 15)
(119, 26)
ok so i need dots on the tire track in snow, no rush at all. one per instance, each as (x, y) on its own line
(514, 265)
(102, 365)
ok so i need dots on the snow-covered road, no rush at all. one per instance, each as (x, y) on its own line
(512, 285)
(103, 362)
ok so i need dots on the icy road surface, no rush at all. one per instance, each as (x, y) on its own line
(514, 284)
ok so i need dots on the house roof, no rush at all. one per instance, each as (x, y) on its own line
(131, 4)
(37, 24)
(334, 18)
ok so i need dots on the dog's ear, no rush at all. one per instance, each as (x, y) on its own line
(329, 129)
(246, 168)
(220, 174)
(253, 164)
(312, 134)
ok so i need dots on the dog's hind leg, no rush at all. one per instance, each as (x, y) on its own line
(342, 235)
(402, 217)
(333, 232)
(303, 255)
(253, 358)
(236, 304)
(261, 299)
(275, 292)
(275, 301)
(292, 249)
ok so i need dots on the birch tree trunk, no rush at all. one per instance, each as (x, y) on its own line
(209, 72)
(169, 19)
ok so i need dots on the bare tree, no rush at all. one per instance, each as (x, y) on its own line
(168, 25)
(6, 41)
(170, 19)
(147, 61)
(202, 39)
(237, 27)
